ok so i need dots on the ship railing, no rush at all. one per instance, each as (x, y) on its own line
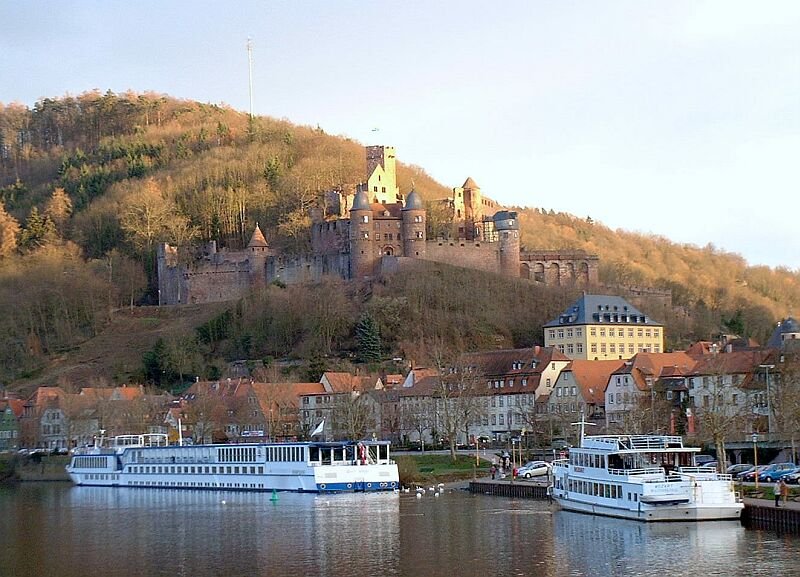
(703, 474)
(655, 441)
(643, 471)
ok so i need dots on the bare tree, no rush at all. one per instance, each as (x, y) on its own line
(721, 406)
(354, 414)
(455, 393)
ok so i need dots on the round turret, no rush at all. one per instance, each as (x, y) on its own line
(361, 201)
(507, 227)
(414, 226)
(414, 201)
(362, 261)
(505, 220)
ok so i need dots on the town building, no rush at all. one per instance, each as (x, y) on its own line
(603, 327)
(579, 393)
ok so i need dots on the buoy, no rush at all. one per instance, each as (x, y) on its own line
(274, 497)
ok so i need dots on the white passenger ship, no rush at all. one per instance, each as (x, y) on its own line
(643, 477)
(149, 461)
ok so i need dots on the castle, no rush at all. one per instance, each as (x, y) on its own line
(368, 231)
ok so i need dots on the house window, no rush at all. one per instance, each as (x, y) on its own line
(524, 382)
(365, 218)
(419, 234)
(501, 419)
(574, 391)
(579, 348)
(578, 332)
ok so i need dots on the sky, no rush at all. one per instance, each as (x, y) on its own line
(676, 118)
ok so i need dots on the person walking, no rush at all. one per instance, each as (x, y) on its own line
(784, 491)
(776, 490)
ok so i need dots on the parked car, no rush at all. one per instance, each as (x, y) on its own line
(533, 469)
(750, 475)
(714, 464)
(775, 471)
(739, 468)
(703, 460)
(793, 477)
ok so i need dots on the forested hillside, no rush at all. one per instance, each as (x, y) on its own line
(90, 184)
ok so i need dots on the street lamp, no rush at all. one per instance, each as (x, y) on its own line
(755, 459)
(769, 404)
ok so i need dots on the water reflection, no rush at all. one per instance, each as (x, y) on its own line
(105, 531)
(52, 529)
(586, 545)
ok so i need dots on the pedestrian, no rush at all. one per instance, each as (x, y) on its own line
(777, 491)
(494, 471)
(784, 491)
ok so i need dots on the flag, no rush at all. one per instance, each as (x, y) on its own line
(319, 428)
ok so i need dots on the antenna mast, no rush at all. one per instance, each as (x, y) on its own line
(250, 72)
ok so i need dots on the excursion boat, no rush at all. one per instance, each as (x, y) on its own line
(642, 477)
(317, 467)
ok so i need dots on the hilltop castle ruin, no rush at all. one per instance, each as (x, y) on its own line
(369, 231)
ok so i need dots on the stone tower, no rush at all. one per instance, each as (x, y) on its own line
(414, 226)
(507, 227)
(258, 250)
(362, 258)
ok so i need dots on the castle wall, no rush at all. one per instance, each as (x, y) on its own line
(296, 270)
(214, 283)
(480, 256)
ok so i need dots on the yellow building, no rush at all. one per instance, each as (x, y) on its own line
(601, 327)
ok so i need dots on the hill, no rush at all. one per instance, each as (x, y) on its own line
(90, 184)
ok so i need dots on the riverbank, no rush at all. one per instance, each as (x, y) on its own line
(37, 468)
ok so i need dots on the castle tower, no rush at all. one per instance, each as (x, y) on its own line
(362, 253)
(507, 227)
(382, 175)
(258, 250)
(414, 226)
(473, 207)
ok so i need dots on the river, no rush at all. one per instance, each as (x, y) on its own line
(55, 529)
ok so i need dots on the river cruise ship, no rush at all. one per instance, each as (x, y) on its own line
(318, 467)
(643, 477)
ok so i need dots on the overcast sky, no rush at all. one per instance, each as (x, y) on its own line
(678, 118)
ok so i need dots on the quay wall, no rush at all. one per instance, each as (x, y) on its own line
(767, 516)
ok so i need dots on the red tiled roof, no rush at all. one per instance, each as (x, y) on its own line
(346, 382)
(650, 365)
(592, 377)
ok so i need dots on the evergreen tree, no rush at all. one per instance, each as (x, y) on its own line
(39, 231)
(368, 339)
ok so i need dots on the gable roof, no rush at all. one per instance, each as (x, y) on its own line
(531, 360)
(336, 382)
(649, 366)
(595, 309)
(592, 377)
(736, 362)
